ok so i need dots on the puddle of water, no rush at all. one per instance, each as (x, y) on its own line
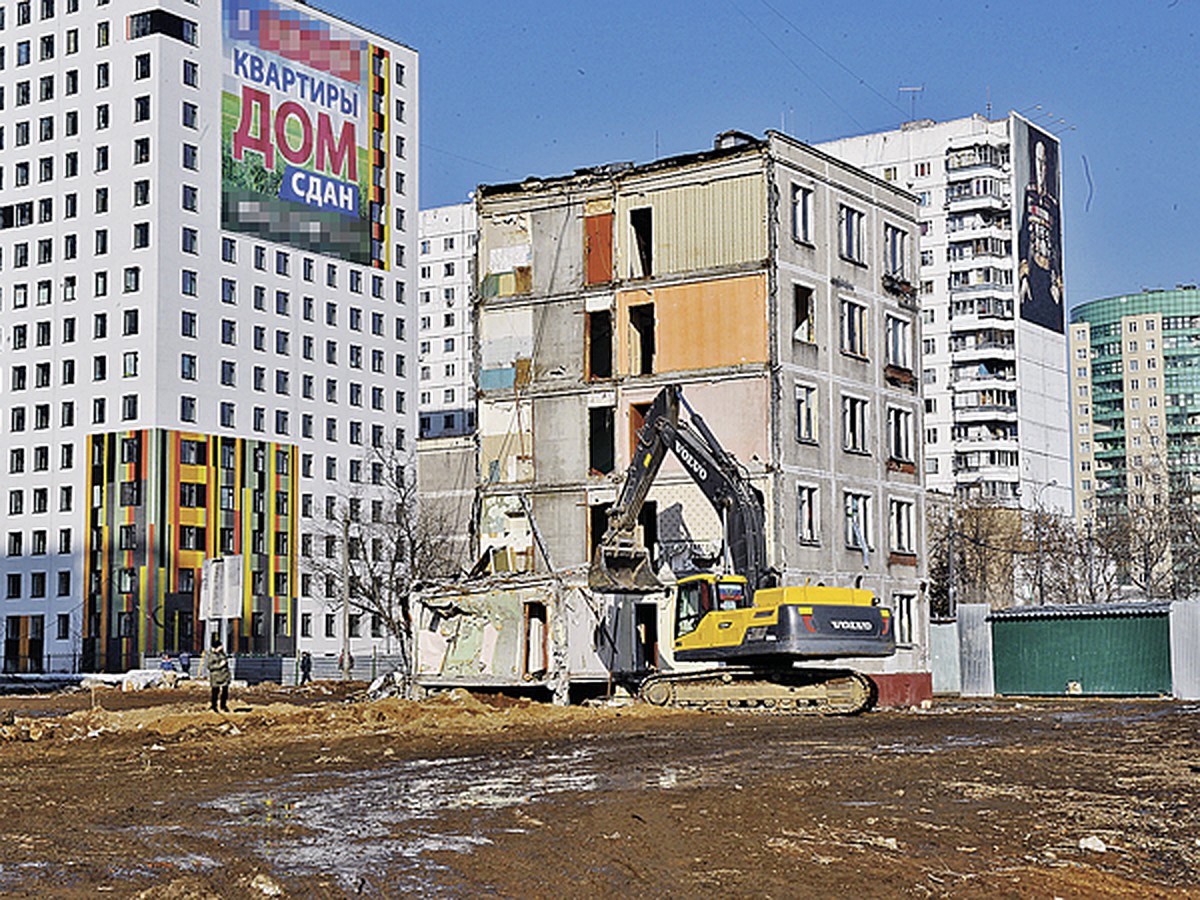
(387, 818)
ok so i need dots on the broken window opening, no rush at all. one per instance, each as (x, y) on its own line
(637, 418)
(641, 326)
(601, 434)
(536, 651)
(648, 524)
(597, 525)
(802, 304)
(598, 337)
(646, 625)
(641, 222)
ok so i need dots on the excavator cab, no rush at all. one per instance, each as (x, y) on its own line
(698, 595)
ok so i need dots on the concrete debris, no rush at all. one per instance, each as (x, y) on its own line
(134, 679)
(266, 886)
(390, 684)
(1093, 843)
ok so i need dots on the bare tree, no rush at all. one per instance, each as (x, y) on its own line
(990, 553)
(1149, 532)
(378, 546)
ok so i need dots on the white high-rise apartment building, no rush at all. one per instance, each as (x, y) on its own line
(992, 303)
(446, 266)
(206, 237)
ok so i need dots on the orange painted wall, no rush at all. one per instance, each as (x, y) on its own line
(722, 322)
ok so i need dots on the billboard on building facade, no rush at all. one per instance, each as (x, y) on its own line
(1037, 191)
(303, 143)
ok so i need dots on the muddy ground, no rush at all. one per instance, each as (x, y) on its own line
(307, 793)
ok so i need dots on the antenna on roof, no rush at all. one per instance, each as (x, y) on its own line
(912, 94)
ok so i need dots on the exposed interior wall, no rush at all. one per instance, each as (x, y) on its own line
(706, 224)
(710, 324)
(446, 485)
(505, 255)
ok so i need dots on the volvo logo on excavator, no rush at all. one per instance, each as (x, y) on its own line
(850, 625)
(691, 462)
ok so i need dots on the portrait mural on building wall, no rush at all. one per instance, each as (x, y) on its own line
(1039, 236)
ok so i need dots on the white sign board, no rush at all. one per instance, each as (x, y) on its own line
(221, 588)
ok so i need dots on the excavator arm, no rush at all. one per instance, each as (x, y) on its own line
(620, 562)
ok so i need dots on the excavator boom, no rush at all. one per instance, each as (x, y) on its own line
(621, 563)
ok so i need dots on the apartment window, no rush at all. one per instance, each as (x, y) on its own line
(806, 413)
(141, 150)
(228, 332)
(187, 324)
(191, 73)
(187, 367)
(190, 198)
(188, 280)
(850, 228)
(191, 115)
(900, 434)
(141, 192)
(282, 263)
(141, 235)
(129, 364)
(803, 314)
(854, 424)
(141, 66)
(853, 327)
(141, 108)
(894, 244)
(807, 516)
(898, 333)
(900, 526)
(191, 157)
(227, 415)
(857, 511)
(802, 211)
(102, 34)
(902, 614)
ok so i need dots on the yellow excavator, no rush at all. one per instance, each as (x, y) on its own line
(740, 619)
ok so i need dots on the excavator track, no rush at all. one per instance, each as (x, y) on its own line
(779, 691)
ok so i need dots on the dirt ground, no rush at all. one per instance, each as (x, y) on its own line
(313, 793)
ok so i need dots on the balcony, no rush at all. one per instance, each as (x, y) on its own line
(984, 350)
(985, 412)
(971, 378)
(968, 202)
(966, 322)
(980, 287)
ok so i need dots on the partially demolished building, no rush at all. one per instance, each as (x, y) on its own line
(774, 284)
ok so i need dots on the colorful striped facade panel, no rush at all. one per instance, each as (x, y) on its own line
(162, 502)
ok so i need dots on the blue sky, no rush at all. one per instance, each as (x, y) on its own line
(515, 88)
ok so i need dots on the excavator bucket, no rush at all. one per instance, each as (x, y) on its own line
(622, 567)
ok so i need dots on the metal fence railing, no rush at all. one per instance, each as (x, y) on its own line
(283, 670)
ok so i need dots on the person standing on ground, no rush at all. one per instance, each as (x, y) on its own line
(216, 662)
(305, 667)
